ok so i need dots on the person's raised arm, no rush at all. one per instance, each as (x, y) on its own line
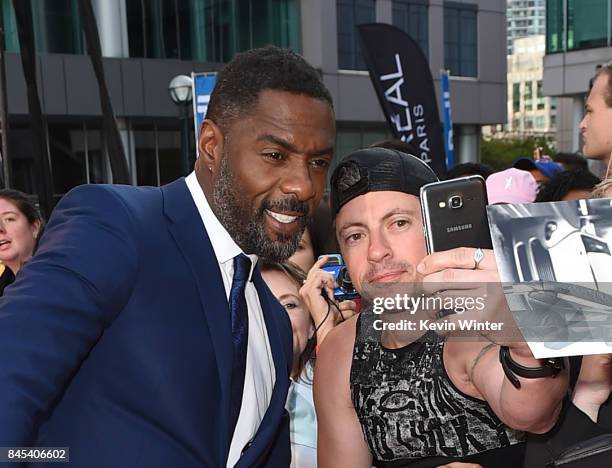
(325, 311)
(536, 405)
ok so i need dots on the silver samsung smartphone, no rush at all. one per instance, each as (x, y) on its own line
(455, 214)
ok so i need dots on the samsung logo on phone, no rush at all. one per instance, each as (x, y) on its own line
(461, 227)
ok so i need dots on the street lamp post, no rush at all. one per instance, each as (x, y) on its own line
(181, 95)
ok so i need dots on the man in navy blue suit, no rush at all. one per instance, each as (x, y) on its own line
(142, 334)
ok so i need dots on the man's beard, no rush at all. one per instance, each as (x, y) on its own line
(246, 226)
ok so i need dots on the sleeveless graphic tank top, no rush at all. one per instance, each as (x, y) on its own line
(411, 413)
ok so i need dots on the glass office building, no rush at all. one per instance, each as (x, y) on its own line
(145, 43)
(577, 24)
(578, 39)
(209, 30)
(203, 31)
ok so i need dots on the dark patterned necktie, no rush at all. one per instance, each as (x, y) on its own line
(240, 335)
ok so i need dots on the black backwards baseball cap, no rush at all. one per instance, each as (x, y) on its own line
(377, 170)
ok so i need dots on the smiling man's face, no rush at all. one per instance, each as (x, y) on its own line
(271, 173)
(381, 239)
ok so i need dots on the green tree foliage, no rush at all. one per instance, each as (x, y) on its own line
(500, 154)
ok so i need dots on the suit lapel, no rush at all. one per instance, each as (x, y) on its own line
(188, 231)
(269, 425)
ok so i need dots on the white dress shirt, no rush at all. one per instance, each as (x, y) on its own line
(260, 374)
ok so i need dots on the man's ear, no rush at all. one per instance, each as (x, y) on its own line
(210, 144)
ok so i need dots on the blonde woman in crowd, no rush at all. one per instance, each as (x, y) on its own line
(295, 291)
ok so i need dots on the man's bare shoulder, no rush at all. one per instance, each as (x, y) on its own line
(333, 367)
(341, 338)
(340, 440)
(335, 354)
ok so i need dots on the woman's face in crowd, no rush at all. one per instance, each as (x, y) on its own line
(304, 255)
(17, 235)
(286, 291)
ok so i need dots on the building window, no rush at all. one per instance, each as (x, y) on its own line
(528, 123)
(158, 155)
(460, 38)
(21, 151)
(540, 96)
(9, 24)
(169, 155)
(587, 24)
(540, 123)
(516, 97)
(77, 155)
(574, 24)
(349, 14)
(353, 137)
(210, 30)
(411, 16)
(57, 28)
(145, 150)
(528, 96)
(555, 32)
(95, 157)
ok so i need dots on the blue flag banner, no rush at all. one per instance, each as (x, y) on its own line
(203, 84)
(448, 119)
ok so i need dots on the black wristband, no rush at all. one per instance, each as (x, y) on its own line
(550, 368)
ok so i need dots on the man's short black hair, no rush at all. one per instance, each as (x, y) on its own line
(467, 169)
(241, 80)
(564, 182)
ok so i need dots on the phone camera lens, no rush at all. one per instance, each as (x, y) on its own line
(455, 202)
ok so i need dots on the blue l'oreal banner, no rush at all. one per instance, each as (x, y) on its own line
(448, 120)
(203, 84)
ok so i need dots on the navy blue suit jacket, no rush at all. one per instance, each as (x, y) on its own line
(115, 340)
